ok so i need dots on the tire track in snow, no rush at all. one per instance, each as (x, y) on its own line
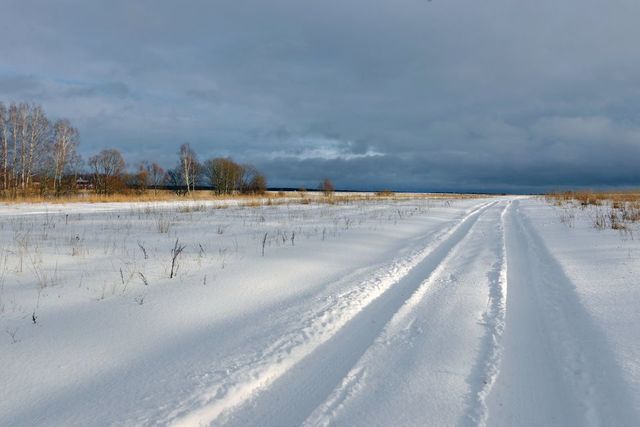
(401, 327)
(488, 365)
(556, 366)
(256, 372)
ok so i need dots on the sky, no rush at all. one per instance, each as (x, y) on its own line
(416, 95)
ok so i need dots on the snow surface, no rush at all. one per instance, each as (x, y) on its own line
(414, 312)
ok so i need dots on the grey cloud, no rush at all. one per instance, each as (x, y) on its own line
(489, 95)
(208, 95)
(12, 86)
(108, 89)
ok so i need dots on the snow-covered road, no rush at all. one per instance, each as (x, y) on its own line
(464, 312)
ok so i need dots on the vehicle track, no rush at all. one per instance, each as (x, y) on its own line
(441, 350)
(488, 363)
(284, 383)
(556, 367)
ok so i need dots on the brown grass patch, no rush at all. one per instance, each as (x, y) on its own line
(267, 199)
(615, 210)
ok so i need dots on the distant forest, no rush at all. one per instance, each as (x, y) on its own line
(40, 157)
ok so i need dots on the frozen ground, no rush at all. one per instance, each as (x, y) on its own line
(416, 312)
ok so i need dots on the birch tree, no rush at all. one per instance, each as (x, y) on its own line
(189, 167)
(23, 119)
(4, 147)
(65, 143)
(39, 130)
(14, 124)
(31, 147)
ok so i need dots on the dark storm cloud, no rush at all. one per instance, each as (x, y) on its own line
(409, 94)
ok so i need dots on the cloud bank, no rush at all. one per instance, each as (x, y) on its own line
(408, 94)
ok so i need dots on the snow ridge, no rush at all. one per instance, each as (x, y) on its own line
(488, 366)
(555, 357)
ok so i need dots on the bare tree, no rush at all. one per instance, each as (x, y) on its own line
(224, 175)
(175, 181)
(15, 133)
(39, 130)
(31, 147)
(139, 180)
(327, 187)
(189, 167)
(157, 176)
(21, 170)
(65, 142)
(148, 175)
(253, 182)
(108, 169)
(4, 146)
(210, 170)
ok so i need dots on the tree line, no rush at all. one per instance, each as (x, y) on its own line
(221, 174)
(34, 150)
(40, 156)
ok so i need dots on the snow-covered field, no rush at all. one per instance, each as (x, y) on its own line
(415, 312)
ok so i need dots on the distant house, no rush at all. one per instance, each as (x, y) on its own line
(83, 184)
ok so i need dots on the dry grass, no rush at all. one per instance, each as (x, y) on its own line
(269, 198)
(594, 198)
(150, 196)
(615, 210)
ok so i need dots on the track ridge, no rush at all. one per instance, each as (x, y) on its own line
(401, 326)
(564, 342)
(259, 371)
(494, 319)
